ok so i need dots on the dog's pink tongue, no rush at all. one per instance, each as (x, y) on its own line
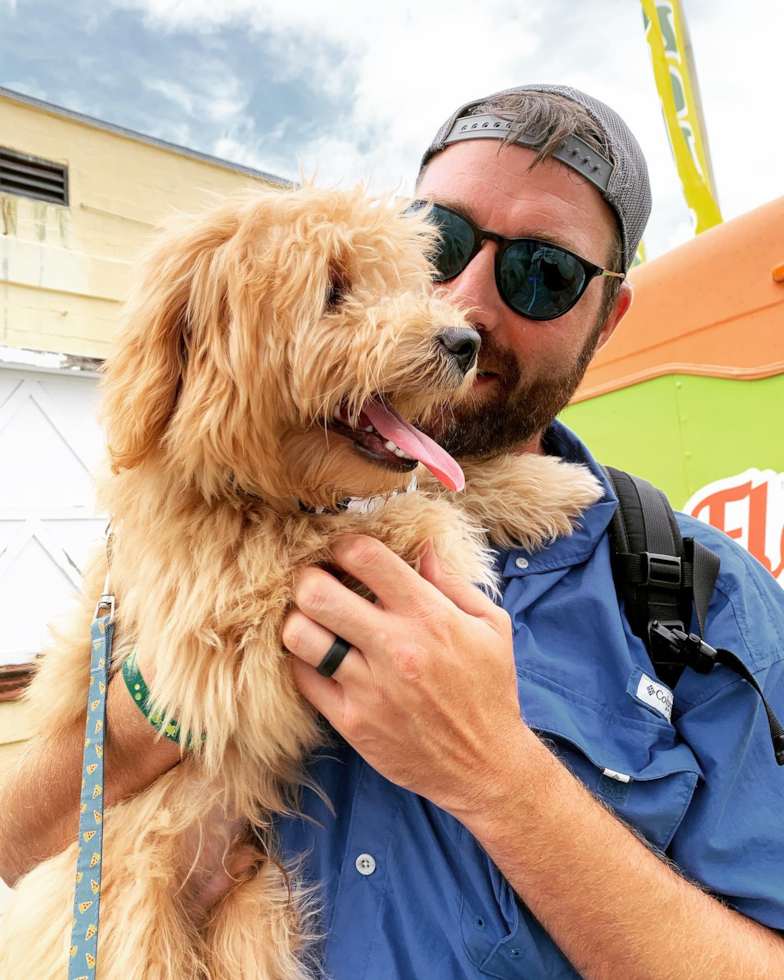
(394, 427)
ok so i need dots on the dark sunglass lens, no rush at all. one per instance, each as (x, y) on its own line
(540, 281)
(457, 242)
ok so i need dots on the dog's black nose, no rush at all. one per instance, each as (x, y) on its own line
(462, 345)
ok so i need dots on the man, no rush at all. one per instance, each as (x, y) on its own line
(462, 844)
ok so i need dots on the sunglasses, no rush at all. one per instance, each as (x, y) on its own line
(536, 279)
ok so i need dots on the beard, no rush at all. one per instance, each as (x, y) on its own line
(515, 410)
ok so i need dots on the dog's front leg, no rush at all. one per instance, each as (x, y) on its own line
(526, 500)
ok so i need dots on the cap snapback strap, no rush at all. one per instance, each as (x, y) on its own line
(574, 152)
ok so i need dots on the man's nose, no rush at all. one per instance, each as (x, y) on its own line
(475, 287)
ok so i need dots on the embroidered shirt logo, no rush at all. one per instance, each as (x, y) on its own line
(656, 695)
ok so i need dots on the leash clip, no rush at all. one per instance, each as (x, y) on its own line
(107, 599)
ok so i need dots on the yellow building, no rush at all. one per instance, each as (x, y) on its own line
(78, 199)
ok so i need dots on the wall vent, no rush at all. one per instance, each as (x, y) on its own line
(31, 177)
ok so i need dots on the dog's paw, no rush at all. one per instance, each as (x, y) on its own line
(526, 500)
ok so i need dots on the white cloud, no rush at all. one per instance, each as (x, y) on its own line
(215, 95)
(172, 90)
(400, 68)
(403, 66)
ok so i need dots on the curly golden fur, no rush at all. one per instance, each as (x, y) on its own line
(248, 325)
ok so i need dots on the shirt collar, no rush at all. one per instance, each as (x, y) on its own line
(590, 527)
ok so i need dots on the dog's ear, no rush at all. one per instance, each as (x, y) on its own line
(143, 374)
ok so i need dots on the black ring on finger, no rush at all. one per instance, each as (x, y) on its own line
(334, 657)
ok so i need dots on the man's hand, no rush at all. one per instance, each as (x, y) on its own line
(428, 696)
(428, 692)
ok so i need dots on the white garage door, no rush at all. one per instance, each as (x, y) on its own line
(49, 442)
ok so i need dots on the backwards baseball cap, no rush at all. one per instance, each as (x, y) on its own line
(621, 176)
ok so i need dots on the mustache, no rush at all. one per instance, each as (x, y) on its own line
(494, 359)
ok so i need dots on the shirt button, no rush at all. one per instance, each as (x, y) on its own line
(521, 562)
(366, 864)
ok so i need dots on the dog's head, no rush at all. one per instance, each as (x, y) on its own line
(279, 343)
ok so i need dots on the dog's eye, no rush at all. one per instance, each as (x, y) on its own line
(336, 291)
(335, 295)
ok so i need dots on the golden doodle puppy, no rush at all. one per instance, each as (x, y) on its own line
(275, 351)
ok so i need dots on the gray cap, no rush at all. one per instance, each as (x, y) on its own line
(622, 181)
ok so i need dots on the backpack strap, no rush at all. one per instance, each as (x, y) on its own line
(661, 577)
(652, 567)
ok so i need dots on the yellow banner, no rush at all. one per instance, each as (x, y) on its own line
(665, 32)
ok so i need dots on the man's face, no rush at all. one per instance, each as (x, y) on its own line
(533, 366)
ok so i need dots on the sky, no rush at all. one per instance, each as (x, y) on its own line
(357, 89)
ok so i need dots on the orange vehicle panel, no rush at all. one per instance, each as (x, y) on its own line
(714, 306)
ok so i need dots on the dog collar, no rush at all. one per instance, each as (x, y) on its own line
(354, 505)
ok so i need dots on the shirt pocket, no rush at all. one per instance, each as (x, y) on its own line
(629, 756)
(659, 774)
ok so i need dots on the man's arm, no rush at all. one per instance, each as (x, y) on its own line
(428, 696)
(39, 796)
(613, 907)
(39, 802)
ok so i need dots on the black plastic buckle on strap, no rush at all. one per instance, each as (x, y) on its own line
(688, 647)
(660, 571)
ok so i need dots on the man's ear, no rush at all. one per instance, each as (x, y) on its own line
(142, 375)
(618, 311)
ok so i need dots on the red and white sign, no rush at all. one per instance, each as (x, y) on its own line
(748, 507)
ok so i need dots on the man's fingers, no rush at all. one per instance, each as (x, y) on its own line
(311, 641)
(324, 694)
(464, 594)
(340, 611)
(398, 586)
(387, 576)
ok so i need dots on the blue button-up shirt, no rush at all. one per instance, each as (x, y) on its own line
(699, 781)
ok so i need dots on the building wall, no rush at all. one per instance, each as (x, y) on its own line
(64, 270)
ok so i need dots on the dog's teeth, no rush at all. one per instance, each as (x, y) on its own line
(399, 452)
(336, 411)
(390, 446)
(368, 428)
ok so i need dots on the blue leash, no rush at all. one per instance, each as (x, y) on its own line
(83, 957)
